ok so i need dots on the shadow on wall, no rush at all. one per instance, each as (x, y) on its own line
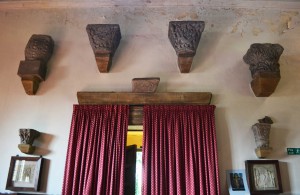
(44, 176)
(285, 179)
(206, 47)
(52, 80)
(42, 144)
(224, 150)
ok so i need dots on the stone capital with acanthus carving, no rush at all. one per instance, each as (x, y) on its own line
(263, 61)
(184, 37)
(27, 137)
(261, 133)
(104, 40)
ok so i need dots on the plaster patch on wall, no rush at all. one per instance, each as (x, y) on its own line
(194, 16)
(185, 15)
(256, 31)
(271, 25)
(241, 12)
(235, 27)
(149, 21)
(181, 16)
(139, 12)
(286, 22)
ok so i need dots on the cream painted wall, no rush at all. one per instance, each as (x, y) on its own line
(145, 51)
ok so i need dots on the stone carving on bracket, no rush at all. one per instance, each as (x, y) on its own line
(27, 137)
(145, 85)
(184, 37)
(33, 69)
(104, 40)
(263, 60)
(261, 133)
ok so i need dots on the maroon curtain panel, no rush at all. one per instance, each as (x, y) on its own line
(180, 151)
(96, 151)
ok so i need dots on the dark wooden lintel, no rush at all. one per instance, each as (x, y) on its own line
(128, 98)
(137, 100)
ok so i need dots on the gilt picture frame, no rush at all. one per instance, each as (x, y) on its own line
(24, 174)
(263, 176)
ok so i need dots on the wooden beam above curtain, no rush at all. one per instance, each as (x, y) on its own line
(128, 98)
(137, 100)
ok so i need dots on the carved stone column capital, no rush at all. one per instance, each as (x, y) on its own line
(33, 69)
(145, 85)
(184, 37)
(27, 137)
(104, 40)
(261, 133)
(263, 60)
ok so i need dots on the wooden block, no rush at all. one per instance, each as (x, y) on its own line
(29, 69)
(103, 62)
(262, 152)
(185, 64)
(26, 148)
(264, 84)
(31, 85)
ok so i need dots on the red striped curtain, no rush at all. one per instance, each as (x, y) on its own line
(96, 150)
(180, 151)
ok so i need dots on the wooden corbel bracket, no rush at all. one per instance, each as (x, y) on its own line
(184, 37)
(104, 40)
(138, 100)
(33, 69)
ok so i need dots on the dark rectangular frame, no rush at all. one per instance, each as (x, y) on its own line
(251, 176)
(231, 187)
(37, 177)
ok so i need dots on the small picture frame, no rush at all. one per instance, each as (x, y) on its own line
(237, 182)
(263, 176)
(24, 174)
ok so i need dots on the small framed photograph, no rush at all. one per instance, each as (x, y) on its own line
(263, 176)
(24, 174)
(237, 182)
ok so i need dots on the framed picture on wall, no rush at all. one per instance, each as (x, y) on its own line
(24, 174)
(263, 176)
(237, 182)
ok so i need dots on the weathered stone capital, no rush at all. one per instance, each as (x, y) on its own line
(33, 69)
(263, 60)
(104, 40)
(145, 85)
(39, 47)
(184, 37)
(28, 135)
(261, 133)
(263, 57)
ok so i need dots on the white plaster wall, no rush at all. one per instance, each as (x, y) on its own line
(145, 51)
